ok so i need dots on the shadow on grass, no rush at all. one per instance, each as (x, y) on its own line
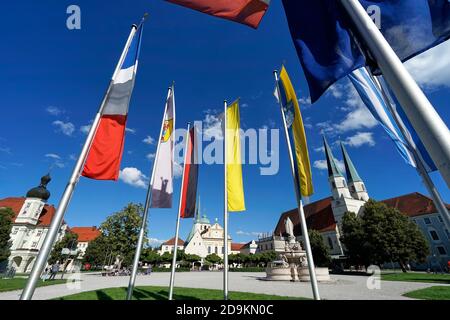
(101, 295)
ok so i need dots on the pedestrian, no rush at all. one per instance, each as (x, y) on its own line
(54, 271)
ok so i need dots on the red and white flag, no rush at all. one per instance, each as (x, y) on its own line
(248, 12)
(105, 155)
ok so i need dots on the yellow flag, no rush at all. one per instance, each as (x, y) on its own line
(297, 133)
(235, 186)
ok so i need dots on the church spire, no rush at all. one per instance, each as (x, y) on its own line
(333, 169)
(352, 174)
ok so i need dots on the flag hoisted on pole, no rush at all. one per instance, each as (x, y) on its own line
(234, 188)
(301, 168)
(163, 169)
(188, 194)
(248, 12)
(429, 126)
(329, 34)
(128, 58)
(384, 107)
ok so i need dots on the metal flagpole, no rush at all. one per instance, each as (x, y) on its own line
(309, 256)
(148, 199)
(52, 234)
(431, 129)
(436, 196)
(177, 228)
(225, 209)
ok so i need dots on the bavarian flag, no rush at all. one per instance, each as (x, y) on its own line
(285, 94)
(233, 161)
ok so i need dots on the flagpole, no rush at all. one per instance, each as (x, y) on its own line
(148, 199)
(420, 167)
(430, 127)
(225, 209)
(309, 256)
(177, 228)
(50, 238)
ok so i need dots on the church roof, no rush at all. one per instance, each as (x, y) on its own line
(319, 214)
(352, 174)
(237, 246)
(333, 169)
(413, 204)
(16, 205)
(171, 242)
(41, 191)
(86, 234)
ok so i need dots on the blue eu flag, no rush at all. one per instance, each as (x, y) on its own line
(326, 40)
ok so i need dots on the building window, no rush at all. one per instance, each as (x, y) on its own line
(441, 250)
(34, 244)
(330, 243)
(216, 250)
(39, 233)
(209, 249)
(223, 250)
(440, 219)
(448, 233)
(434, 235)
(427, 220)
(15, 230)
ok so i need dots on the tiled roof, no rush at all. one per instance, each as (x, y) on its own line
(237, 246)
(319, 216)
(413, 204)
(86, 234)
(171, 242)
(16, 204)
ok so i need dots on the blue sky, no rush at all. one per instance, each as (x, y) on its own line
(53, 80)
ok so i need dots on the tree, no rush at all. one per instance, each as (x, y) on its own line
(382, 234)
(150, 256)
(320, 251)
(213, 258)
(69, 241)
(98, 252)
(167, 257)
(6, 221)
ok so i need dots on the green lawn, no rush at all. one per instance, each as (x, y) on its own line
(431, 293)
(161, 293)
(19, 283)
(417, 277)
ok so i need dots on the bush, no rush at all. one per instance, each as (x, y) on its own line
(158, 269)
(248, 269)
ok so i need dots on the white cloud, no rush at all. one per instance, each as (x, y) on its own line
(304, 101)
(244, 105)
(320, 149)
(322, 164)
(5, 150)
(130, 130)
(53, 156)
(151, 156)
(154, 242)
(66, 128)
(149, 140)
(85, 129)
(213, 125)
(248, 234)
(54, 111)
(431, 68)
(133, 177)
(360, 139)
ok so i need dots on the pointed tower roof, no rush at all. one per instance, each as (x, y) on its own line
(352, 174)
(333, 169)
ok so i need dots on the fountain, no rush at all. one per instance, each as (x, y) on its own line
(291, 263)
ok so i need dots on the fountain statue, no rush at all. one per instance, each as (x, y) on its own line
(291, 263)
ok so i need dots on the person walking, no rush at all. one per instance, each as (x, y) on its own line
(54, 271)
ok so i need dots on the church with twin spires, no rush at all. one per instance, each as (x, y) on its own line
(349, 194)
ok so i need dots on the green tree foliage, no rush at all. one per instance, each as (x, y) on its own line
(382, 234)
(6, 221)
(119, 237)
(69, 241)
(192, 258)
(150, 256)
(320, 251)
(213, 258)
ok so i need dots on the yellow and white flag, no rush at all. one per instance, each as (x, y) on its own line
(235, 186)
